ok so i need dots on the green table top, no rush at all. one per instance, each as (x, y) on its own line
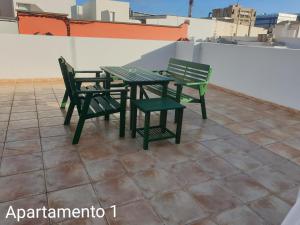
(134, 75)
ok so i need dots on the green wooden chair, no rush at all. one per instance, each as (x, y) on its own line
(91, 103)
(96, 80)
(186, 74)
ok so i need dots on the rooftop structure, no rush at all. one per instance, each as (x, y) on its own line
(236, 14)
(9, 8)
(269, 21)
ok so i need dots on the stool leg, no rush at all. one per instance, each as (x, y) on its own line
(179, 126)
(163, 120)
(146, 130)
(133, 124)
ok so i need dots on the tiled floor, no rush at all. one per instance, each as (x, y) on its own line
(241, 166)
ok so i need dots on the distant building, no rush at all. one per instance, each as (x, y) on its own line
(287, 29)
(269, 21)
(9, 8)
(236, 14)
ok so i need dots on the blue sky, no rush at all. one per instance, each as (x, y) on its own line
(203, 7)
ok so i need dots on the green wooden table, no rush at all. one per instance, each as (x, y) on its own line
(133, 77)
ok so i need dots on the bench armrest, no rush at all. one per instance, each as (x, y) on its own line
(190, 84)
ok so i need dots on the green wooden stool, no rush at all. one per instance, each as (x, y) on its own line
(160, 132)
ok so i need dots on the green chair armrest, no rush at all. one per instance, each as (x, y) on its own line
(102, 91)
(89, 79)
(89, 71)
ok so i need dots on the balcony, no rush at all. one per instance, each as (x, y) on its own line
(241, 166)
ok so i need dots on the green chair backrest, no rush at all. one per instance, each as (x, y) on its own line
(69, 80)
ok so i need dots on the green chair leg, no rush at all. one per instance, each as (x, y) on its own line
(106, 117)
(179, 126)
(122, 122)
(203, 107)
(78, 131)
(146, 130)
(64, 100)
(69, 114)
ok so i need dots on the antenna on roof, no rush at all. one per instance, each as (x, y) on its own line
(191, 3)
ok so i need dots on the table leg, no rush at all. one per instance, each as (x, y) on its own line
(163, 114)
(133, 110)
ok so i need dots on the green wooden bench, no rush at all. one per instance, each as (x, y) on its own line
(91, 103)
(186, 74)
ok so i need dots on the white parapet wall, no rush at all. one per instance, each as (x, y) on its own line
(269, 74)
(30, 56)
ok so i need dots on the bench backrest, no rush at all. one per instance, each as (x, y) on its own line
(190, 72)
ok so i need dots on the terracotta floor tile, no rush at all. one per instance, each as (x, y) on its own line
(244, 187)
(203, 222)
(23, 185)
(3, 125)
(18, 109)
(239, 128)
(21, 163)
(100, 170)
(4, 117)
(153, 181)
(135, 213)
(177, 208)
(260, 138)
(23, 116)
(53, 121)
(272, 209)
(34, 202)
(52, 143)
(65, 176)
(117, 191)
(189, 173)
(195, 150)
(21, 124)
(59, 157)
(54, 131)
(138, 161)
(290, 196)
(213, 198)
(22, 134)
(24, 103)
(240, 215)
(167, 156)
(297, 161)
(294, 143)
(93, 153)
(76, 197)
(284, 150)
(221, 146)
(52, 113)
(242, 161)
(271, 179)
(95, 221)
(2, 135)
(217, 167)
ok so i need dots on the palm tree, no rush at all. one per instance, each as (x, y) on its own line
(191, 3)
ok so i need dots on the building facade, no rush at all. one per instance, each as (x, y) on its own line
(287, 29)
(269, 21)
(9, 8)
(236, 14)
